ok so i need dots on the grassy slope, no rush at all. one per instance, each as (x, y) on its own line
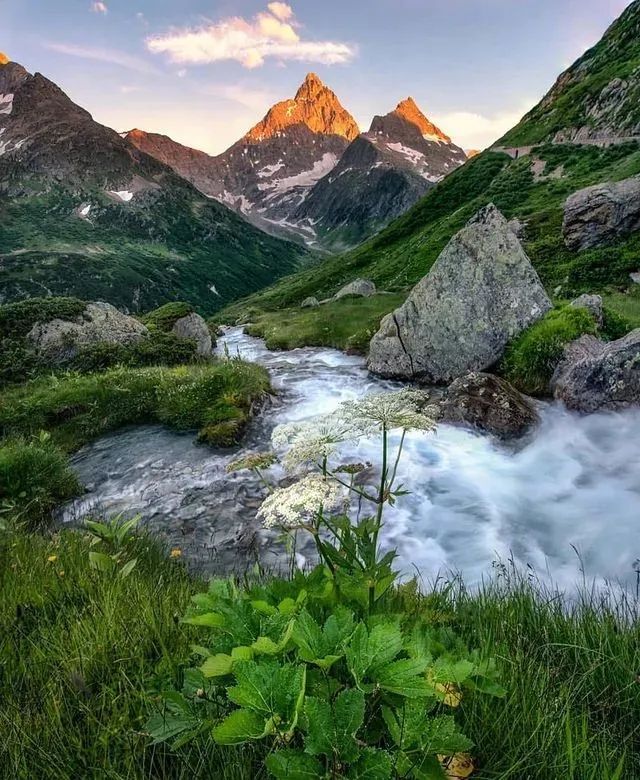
(400, 255)
(615, 56)
(81, 652)
(215, 398)
(136, 256)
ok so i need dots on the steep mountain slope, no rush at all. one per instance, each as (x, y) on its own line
(84, 212)
(379, 177)
(597, 98)
(532, 188)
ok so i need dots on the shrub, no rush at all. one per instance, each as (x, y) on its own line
(165, 317)
(531, 359)
(614, 325)
(34, 478)
(17, 319)
(160, 349)
(319, 668)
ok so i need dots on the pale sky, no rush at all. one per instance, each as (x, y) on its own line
(205, 71)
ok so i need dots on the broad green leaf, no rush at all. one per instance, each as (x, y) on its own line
(217, 665)
(242, 653)
(263, 607)
(294, 765)
(487, 686)
(265, 646)
(209, 619)
(164, 726)
(441, 735)
(446, 671)
(406, 723)
(332, 727)
(372, 765)
(324, 663)
(242, 726)
(287, 606)
(404, 677)
(269, 689)
(420, 766)
(101, 562)
(128, 567)
(370, 651)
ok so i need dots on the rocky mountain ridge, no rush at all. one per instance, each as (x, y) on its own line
(85, 212)
(306, 172)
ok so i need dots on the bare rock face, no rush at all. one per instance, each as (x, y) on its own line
(194, 327)
(600, 214)
(597, 375)
(480, 294)
(60, 340)
(593, 304)
(362, 288)
(490, 404)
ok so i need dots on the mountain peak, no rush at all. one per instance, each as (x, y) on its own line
(408, 109)
(4, 59)
(315, 106)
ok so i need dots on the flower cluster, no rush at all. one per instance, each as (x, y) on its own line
(254, 460)
(289, 507)
(310, 442)
(400, 409)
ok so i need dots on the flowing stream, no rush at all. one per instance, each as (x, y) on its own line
(564, 505)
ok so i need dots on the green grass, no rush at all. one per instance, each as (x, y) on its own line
(165, 317)
(34, 478)
(348, 323)
(215, 399)
(81, 654)
(625, 304)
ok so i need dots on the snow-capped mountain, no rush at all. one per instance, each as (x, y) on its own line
(306, 172)
(381, 175)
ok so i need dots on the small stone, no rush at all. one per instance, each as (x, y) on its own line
(310, 303)
(593, 304)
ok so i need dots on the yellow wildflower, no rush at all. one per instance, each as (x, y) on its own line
(175, 553)
(52, 558)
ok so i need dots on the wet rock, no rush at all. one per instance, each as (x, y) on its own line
(597, 375)
(362, 288)
(593, 304)
(490, 404)
(61, 340)
(193, 326)
(480, 294)
(310, 303)
(600, 214)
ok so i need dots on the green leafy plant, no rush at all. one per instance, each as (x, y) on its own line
(325, 669)
(113, 538)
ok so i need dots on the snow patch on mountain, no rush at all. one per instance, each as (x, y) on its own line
(6, 103)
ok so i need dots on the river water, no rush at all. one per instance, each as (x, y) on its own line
(564, 505)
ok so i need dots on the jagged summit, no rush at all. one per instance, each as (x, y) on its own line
(408, 109)
(4, 59)
(314, 106)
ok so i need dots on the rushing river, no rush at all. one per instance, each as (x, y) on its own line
(565, 504)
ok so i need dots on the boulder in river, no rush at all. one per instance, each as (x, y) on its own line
(61, 340)
(488, 403)
(593, 304)
(595, 375)
(361, 288)
(602, 213)
(481, 293)
(194, 327)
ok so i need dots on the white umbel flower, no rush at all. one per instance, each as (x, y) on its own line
(400, 409)
(310, 442)
(290, 507)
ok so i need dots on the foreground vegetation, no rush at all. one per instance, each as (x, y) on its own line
(82, 652)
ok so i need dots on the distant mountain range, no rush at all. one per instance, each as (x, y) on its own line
(84, 212)
(306, 172)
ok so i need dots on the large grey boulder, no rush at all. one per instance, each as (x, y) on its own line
(598, 215)
(310, 303)
(596, 375)
(490, 404)
(593, 304)
(363, 288)
(61, 340)
(194, 327)
(480, 294)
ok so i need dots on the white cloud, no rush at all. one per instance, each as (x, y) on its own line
(478, 131)
(99, 8)
(269, 34)
(113, 56)
(281, 11)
